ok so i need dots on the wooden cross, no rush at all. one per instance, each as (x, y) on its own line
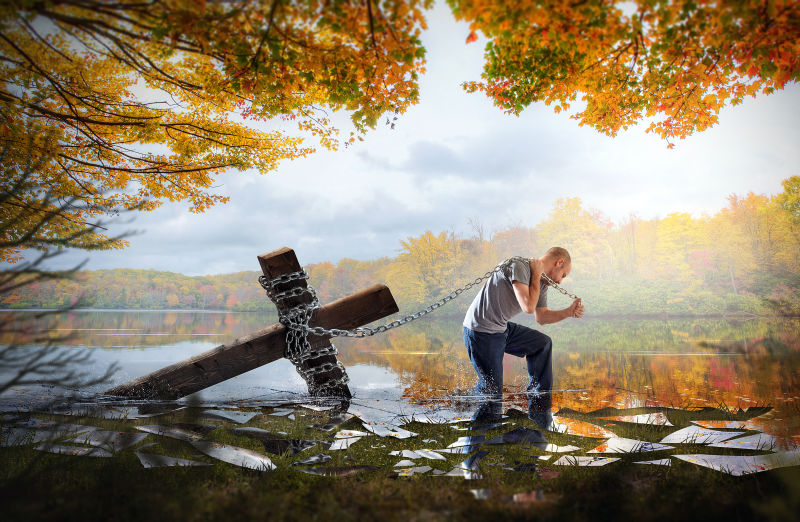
(267, 345)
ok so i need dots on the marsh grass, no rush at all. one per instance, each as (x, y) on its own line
(42, 486)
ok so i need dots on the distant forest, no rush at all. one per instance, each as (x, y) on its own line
(744, 258)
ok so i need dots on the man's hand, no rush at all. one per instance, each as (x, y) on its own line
(536, 269)
(576, 309)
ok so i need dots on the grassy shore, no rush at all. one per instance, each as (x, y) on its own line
(42, 486)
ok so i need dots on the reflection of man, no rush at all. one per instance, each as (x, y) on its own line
(488, 334)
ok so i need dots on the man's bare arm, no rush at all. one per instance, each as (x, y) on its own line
(546, 316)
(528, 295)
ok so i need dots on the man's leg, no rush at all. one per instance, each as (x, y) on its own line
(486, 353)
(537, 348)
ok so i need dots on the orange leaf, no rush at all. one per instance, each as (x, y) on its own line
(472, 37)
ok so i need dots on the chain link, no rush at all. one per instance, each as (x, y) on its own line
(303, 312)
(298, 348)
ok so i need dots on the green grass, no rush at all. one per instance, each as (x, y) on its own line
(42, 486)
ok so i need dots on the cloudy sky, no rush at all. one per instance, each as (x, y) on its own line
(455, 157)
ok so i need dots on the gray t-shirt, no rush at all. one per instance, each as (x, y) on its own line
(496, 303)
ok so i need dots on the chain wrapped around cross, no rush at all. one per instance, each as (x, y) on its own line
(302, 336)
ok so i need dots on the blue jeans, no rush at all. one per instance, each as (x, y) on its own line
(486, 353)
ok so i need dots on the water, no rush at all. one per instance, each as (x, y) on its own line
(617, 362)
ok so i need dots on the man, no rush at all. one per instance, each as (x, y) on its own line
(488, 334)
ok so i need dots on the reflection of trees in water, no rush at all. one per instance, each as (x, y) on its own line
(726, 361)
(137, 328)
(701, 362)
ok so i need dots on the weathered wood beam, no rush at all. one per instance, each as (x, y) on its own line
(262, 347)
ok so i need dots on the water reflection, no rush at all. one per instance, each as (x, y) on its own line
(686, 363)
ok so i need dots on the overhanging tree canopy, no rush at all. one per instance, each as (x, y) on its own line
(676, 62)
(132, 103)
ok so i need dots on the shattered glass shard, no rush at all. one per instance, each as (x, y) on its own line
(387, 430)
(337, 471)
(405, 464)
(481, 494)
(463, 473)
(726, 424)
(319, 458)
(239, 417)
(623, 445)
(654, 419)
(738, 465)
(759, 441)
(75, 451)
(173, 431)
(341, 444)
(698, 435)
(348, 434)
(150, 460)
(471, 463)
(521, 436)
(578, 460)
(314, 407)
(555, 448)
(234, 455)
(277, 445)
(111, 440)
(429, 454)
(656, 462)
(468, 441)
(579, 427)
(282, 412)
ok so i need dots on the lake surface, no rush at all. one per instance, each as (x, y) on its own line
(623, 363)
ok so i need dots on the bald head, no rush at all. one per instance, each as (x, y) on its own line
(558, 253)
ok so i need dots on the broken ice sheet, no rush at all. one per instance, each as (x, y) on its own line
(623, 445)
(468, 441)
(759, 441)
(235, 455)
(75, 451)
(239, 417)
(738, 465)
(520, 436)
(337, 471)
(578, 460)
(34, 430)
(111, 440)
(340, 444)
(149, 460)
(654, 419)
(185, 432)
(698, 435)
(656, 462)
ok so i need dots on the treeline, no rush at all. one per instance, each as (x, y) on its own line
(746, 257)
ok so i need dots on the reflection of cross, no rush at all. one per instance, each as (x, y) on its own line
(244, 354)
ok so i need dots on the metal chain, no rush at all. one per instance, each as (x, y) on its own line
(296, 318)
(304, 311)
